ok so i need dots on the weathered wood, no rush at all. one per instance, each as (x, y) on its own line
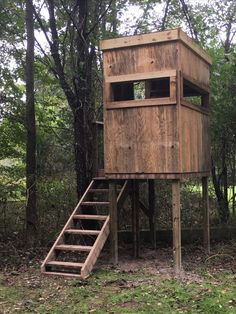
(193, 107)
(195, 142)
(176, 221)
(138, 135)
(164, 176)
(139, 76)
(194, 47)
(168, 132)
(96, 249)
(95, 203)
(206, 219)
(155, 37)
(123, 194)
(64, 274)
(65, 264)
(113, 223)
(90, 217)
(151, 201)
(140, 103)
(82, 231)
(69, 224)
(79, 248)
(135, 218)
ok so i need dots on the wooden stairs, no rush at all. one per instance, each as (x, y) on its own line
(80, 242)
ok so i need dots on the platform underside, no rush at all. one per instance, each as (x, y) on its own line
(165, 176)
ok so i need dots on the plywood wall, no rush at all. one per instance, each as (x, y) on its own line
(194, 141)
(141, 140)
(140, 59)
(193, 66)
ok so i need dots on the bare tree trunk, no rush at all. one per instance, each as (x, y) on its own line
(31, 209)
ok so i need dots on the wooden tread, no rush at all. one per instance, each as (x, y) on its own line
(82, 231)
(68, 275)
(64, 264)
(94, 203)
(90, 217)
(99, 190)
(79, 248)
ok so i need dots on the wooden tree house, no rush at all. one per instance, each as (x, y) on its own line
(156, 108)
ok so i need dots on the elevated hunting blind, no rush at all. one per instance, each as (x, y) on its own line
(156, 106)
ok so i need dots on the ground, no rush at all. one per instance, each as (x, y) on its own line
(147, 285)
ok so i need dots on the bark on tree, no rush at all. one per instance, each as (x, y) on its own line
(31, 209)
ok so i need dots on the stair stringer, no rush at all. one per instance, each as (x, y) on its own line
(96, 249)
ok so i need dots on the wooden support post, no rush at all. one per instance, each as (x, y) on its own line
(151, 200)
(135, 218)
(113, 223)
(176, 219)
(206, 224)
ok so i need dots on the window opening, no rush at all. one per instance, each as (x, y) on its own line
(195, 95)
(144, 89)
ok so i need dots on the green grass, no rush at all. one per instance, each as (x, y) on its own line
(117, 292)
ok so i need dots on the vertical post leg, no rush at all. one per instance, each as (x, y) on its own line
(206, 224)
(176, 220)
(113, 223)
(135, 218)
(151, 200)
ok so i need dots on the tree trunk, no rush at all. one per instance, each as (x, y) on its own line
(223, 205)
(31, 209)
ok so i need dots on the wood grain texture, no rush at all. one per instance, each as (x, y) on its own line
(194, 67)
(157, 38)
(195, 141)
(128, 41)
(144, 59)
(176, 222)
(141, 140)
(156, 138)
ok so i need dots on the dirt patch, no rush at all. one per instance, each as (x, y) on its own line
(129, 304)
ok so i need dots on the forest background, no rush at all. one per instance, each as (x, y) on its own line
(51, 95)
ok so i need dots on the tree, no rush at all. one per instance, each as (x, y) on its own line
(70, 39)
(31, 209)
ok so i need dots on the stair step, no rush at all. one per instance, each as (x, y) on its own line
(62, 274)
(82, 231)
(90, 217)
(99, 190)
(100, 178)
(79, 248)
(65, 264)
(94, 203)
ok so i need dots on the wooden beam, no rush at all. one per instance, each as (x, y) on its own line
(123, 195)
(163, 101)
(135, 218)
(176, 220)
(113, 223)
(139, 76)
(206, 224)
(137, 40)
(144, 209)
(191, 106)
(151, 201)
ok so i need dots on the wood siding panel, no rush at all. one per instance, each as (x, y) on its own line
(195, 141)
(140, 59)
(193, 66)
(141, 140)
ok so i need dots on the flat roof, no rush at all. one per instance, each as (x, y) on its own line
(155, 37)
